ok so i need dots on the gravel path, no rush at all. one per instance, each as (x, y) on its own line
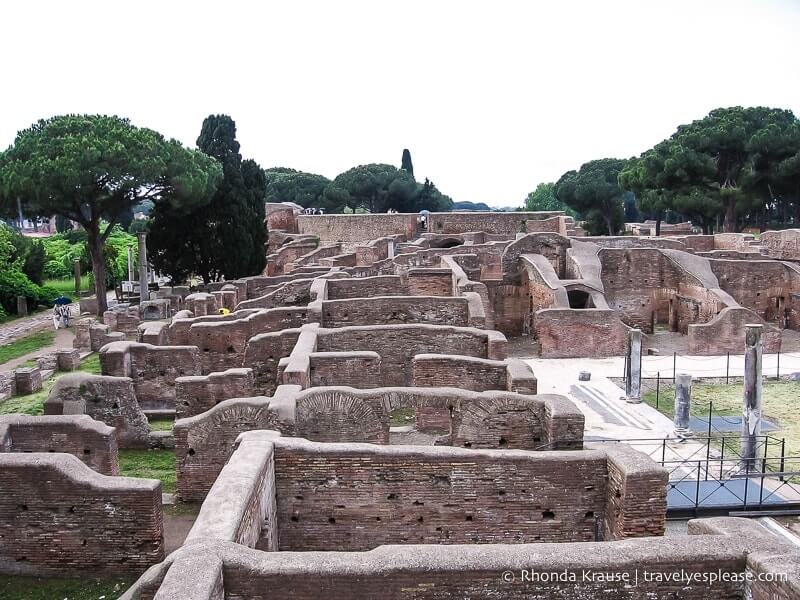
(19, 328)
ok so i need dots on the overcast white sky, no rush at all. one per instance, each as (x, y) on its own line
(491, 97)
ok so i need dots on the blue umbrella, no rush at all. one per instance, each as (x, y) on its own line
(62, 300)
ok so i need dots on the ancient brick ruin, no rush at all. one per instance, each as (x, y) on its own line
(284, 414)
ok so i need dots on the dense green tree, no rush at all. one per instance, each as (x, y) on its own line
(91, 168)
(430, 198)
(305, 189)
(223, 239)
(255, 182)
(406, 163)
(726, 165)
(543, 198)
(374, 187)
(63, 224)
(594, 192)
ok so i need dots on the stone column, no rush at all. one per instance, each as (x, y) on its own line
(143, 293)
(76, 270)
(751, 403)
(633, 367)
(130, 263)
(683, 400)
(22, 306)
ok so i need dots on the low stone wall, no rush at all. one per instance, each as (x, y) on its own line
(93, 442)
(57, 516)
(398, 344)
(357, 227)
(726, 332)
(204, 443)
(720, 558)
(430, 282)
(391, 310)
(454, 496)
(508, 223)
(783, 245)
(124, 319)
(365, 287)
(480, 420)
(153, 369)
(574, 333)
(111, 400)
(470, 373)
(198, 393)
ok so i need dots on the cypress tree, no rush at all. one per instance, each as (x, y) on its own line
(406, 163)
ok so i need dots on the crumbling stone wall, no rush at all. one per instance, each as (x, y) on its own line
(565, 333)
(153, 369)
(92, 442)
(726, 333)
(398, 344)
(507, 223)
(196, 394)
(387, 310)
(264, 352)
(445, 496)
(365, 287)
(357, 227)
(57, 516)
(783, 245)
(470, 373)
(111, 400)
(204, 442)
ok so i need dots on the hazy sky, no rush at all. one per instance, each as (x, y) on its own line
(490, 97)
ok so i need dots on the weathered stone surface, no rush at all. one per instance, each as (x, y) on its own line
(111, 400)
(27, 380)
(94, 523)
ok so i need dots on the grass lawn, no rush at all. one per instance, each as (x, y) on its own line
(26, 345)
(150, 464)
(91, 364)
(161, 424)
(33, 404)
(402, 416)
(67, 286)
(781, 404)
(40, 588)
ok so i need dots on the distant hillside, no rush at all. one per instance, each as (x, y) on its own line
(471, 206)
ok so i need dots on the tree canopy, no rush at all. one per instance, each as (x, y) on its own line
(89, 168)
(594, 191)
(202, 240)
(735, 163)
(543, 198)
(288, 185)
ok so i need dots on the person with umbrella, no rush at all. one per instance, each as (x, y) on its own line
(61, 311)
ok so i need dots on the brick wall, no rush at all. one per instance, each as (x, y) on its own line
(153, 369)
(365, 287)
(398, 344)
(263, 353)
(430, 282)
(94, 443)
(357, 228)
(726, 333)
(110, 400)
(59, 516)
(567, 333)
(784, 245)
(469, 373)
(451, 496)
(507, 223)
(758, 285)
(388, 310)
(198, 393)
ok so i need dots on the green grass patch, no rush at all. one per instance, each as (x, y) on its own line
(780, 404)
(402, 416)
(26, 345)
(161, 424)
(32, 404)
(150, 464)
(91, 364)
(67, 286)
(41, 588)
